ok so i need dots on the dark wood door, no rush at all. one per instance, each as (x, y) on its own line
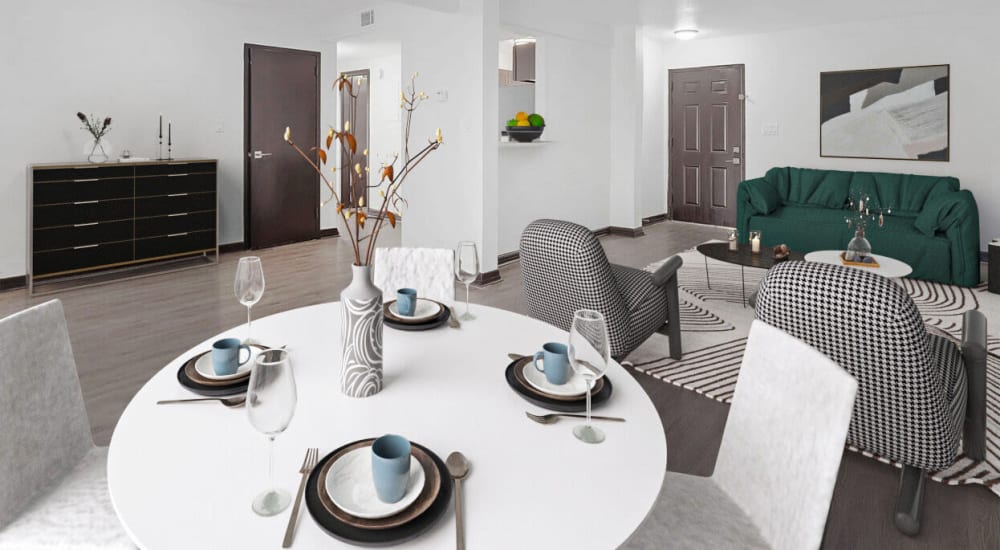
(354, 106)
(281, 201)
(707, 153)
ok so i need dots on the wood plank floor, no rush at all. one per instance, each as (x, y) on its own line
(126, 331)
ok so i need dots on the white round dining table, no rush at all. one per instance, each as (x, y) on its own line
(184, 476)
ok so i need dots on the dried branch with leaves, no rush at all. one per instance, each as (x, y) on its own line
(353, 207)
(94, 125)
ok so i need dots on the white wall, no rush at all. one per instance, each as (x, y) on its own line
(131, 60)
(782, 86)
(568, 177)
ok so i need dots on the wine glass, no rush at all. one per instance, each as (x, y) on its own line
(466, 270)
(589, 353)
(249, 286)
(271, 399)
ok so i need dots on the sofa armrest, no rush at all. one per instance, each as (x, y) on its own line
(974, 356)
(956, 215)
(754, 196)
(667, 271)
(944, 210)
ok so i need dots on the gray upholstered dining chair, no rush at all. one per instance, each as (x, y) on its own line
(429, 270)
(778, 462)
(53, 479)
(565, 269)
(916, 388)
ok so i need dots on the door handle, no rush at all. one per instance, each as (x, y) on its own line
(258, 155)
(733, 161)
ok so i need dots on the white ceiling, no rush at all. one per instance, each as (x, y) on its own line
(731, 17)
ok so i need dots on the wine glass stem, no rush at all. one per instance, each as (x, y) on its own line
(248, 322)
(466, 298)
(270, 461)
(589, 385)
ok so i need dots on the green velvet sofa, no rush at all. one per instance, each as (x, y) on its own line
(934, 226)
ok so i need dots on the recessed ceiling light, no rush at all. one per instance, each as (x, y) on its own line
(685, 34)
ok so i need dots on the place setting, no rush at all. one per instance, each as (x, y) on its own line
(413, 313)
(567, 378)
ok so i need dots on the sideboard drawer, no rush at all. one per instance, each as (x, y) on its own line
(82, 212)
(83, 257)
(83, 189)
(177, 223)
(174, 204)
(175, 168)
(82, 234)
(174, 183)
(175, 243)
(82, 172)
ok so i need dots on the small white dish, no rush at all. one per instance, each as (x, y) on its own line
(205, 368)
(425, 310)
(352, 488)
(575, 386)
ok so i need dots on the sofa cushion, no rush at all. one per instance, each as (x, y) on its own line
(809, 187)
(827, 228)
(905, 194)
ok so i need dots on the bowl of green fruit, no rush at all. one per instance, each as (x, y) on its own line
(524, 127)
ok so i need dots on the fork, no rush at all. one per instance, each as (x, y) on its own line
(231, 402)
(312, 457)
(554, 417)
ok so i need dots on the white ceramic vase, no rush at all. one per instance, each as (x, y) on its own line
(361, 335)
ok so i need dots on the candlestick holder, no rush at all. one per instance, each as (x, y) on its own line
(159, 153)
(170, 155)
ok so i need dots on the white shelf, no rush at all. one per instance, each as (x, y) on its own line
(516, 144)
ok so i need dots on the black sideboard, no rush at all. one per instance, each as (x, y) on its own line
(90, 219)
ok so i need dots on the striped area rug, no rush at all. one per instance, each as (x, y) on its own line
(715, 325)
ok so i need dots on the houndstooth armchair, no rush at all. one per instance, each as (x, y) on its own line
(916, 390)
(565, 269)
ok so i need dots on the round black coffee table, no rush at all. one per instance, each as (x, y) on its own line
(742, 257)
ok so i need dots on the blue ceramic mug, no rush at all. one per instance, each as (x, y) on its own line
(406, 301)
(226, 356)
(555, 363)
(391, 467)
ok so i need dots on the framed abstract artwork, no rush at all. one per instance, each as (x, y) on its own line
(894, 113)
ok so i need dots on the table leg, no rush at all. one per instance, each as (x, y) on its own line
(707, 280)
(743, 286)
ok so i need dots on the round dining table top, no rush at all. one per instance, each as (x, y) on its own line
(184, 476)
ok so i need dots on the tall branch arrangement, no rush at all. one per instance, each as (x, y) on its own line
(94, 125)
(863, 211)
(392, 174)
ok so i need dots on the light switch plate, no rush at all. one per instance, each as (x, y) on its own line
(441, 95)
(770, 129)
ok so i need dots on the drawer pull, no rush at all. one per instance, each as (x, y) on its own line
(86, 202)
(177, 195)
(86, 180)
(177, 175)
(85, 224)
(175, 215)
(86, 246)
(177, 234)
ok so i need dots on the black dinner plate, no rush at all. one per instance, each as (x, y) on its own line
(218, 389)
(555, 404)
(441, 319)
(377, 537)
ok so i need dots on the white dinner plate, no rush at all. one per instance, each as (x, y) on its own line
(352, 488)
(425, 310)
(205, 368)
(575, 386)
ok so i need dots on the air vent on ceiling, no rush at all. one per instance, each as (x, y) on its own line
(368, 18)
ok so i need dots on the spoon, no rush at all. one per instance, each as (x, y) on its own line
(231, 402)
(458, 467)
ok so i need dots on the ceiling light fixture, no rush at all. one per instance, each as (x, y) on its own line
(685, 34)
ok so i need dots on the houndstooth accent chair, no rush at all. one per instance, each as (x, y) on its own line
(913, 394)
(565, 270)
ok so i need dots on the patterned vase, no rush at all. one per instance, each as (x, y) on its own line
(361, 335)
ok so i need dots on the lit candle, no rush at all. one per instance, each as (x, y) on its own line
(170, 131)
(161, 125)
(732, 242)
(755, 244)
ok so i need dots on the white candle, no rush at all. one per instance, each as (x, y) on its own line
(755, 244)
(732, 243)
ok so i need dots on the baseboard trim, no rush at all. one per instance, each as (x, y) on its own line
(655, 219)
(12, 283)
(508, 257)
(488, 278)
(331, 232)
(627, 231)
(601, 231)
(238, 246)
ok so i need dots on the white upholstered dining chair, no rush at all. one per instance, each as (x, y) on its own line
(778, 462)
(429, 270)
(53, 479)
